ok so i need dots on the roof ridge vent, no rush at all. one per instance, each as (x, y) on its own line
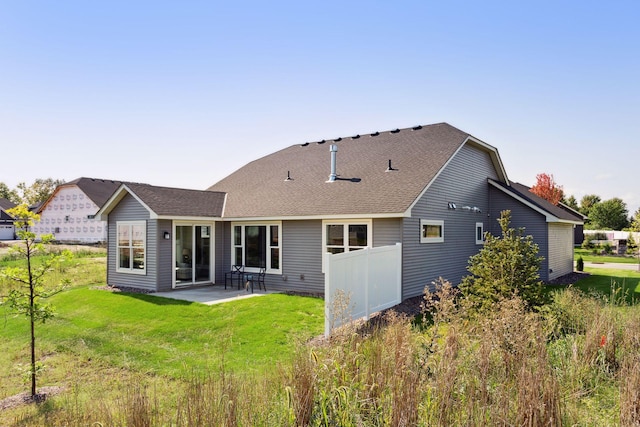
(375, 134)
(304, 145)
(355, 136)
(416, 127)
(337, 139)
(321, 142)
(396, 130)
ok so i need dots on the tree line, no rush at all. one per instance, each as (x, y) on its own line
(30, 195)
(611, 214)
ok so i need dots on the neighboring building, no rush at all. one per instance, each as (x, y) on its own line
(434, 188)
(69, 214)
(7, 229)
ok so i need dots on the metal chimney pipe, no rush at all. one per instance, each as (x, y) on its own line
(334, 149)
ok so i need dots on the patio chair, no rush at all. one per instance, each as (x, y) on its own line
(259, 278)
(237, 272)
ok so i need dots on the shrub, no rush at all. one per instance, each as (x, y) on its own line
(580, 264)
(506, 266)
(607, 249)
(587, 243)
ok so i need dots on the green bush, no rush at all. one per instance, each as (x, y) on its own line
(580, 264)
(587, 243)
(507, 265)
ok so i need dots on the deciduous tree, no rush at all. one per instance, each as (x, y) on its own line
(587, 203)
(571, 202)
(7, 193)
(26, 298)
(547, 188)
(39, 191)
(611, 214)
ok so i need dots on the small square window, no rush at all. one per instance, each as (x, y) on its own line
(431, 231)
(479, 233)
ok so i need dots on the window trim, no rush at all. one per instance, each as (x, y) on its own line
(480, 225)
(131, 270)
(346, 223)
(267, 224)
(426, 222)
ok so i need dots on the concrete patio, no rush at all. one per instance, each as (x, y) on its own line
(210, 295)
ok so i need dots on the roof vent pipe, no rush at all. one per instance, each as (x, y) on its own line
(334, 149)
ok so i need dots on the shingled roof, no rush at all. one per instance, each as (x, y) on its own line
(520, 191)
(6, 204)
(170, 202)
(364, 185)
(96, 189)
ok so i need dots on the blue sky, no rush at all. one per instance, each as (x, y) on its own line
(183, 93)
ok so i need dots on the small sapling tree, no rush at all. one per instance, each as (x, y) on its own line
(26, 298)
(507, 265)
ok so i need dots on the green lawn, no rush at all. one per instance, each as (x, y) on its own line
(588, 256)
(169, 337)
(603, 281)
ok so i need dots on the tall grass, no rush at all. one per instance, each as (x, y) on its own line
(576, 362)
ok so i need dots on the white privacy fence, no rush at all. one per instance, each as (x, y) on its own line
(360, 283)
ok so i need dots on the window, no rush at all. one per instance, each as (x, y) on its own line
(431, 231)
(257, 245)
(345, 236)
(130, 256)
(479, 233)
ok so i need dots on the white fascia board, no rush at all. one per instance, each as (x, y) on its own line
(548, 216)
(115, 198)
(315, 217)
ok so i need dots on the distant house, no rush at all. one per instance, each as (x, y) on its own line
(69, 213)
(7, 229)
(435, 189)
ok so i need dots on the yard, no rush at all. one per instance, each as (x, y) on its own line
(133, 359)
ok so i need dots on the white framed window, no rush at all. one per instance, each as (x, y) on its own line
(431, 231)
(257, 245)
(132, 245)
(340, 236)
(479, 233)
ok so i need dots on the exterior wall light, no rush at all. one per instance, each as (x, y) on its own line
(166, 235)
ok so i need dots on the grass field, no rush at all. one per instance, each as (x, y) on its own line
(139, 360)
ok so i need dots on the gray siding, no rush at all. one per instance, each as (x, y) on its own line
(130, 210)
(302, 253)
(387, 231)
(301, 258)
(222, 254)
(164, 256)
(463, 182)
(534, 223)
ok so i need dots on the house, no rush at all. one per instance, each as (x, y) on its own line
(7, 229)
(551, 226)
(433, 188)
(69, 213)
(578, 231)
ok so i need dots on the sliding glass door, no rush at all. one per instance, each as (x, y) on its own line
(192, 254)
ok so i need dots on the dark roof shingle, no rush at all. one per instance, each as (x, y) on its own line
(363, 187)
(178, 201)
